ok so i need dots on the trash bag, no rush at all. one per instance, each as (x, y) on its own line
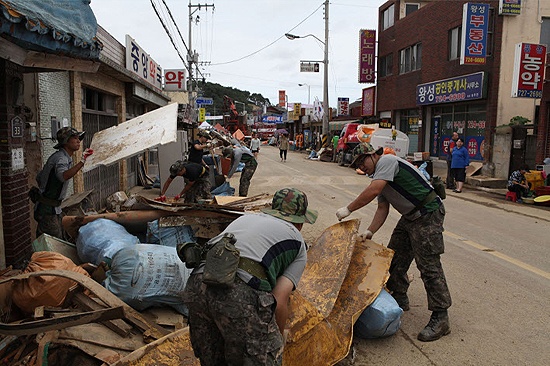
(168, 236)
(45, 290)
(101, 239)
(146, 275)
(223, 190)
(382, 318)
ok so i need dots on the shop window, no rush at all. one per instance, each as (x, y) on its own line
(410, 58)
(455, 38)
(388, 17)
(386, 65)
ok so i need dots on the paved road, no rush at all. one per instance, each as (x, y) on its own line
(496, 262)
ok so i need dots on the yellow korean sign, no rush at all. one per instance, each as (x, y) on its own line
(297, 111)
(202, 114)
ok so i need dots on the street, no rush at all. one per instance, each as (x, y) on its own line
(496, 264)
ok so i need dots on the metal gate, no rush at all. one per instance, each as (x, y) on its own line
(104, 180)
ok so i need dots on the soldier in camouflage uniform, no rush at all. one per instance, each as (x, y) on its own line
(244, 324)
(197, 185)
(418, 234)
(241, 154)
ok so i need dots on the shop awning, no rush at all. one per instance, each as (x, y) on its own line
(32, 30)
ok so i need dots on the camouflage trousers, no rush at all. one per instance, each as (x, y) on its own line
(48, 224)
(232, 326)
(199, 190)
(421, 240)
(246, 176)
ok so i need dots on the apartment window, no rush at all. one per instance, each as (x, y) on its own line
(411, 8)
(388, 17)
(410, 58)
(455, 39)
(386, 65)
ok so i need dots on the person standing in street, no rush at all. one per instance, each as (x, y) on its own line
(461, 159)
(197, 185)
(283, 146)
(418, 234)
(450, 178)
(196, 150)
(238, 154)
(244, 324)
(53, 181)
(335, 139)
(255, 145)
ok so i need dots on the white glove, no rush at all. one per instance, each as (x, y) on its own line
(209, 145)
(366, 235)
(343, 213)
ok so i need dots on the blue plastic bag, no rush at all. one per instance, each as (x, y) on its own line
(382, 318)
(422, 169)
(223, 190)
(168, 236)
(101, 239)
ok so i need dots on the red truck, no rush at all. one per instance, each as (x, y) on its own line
(346, 143)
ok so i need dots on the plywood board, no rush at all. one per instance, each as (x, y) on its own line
(158, 127)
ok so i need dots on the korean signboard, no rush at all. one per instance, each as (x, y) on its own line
(475, 25)
(458, 89)
(297, 111)
(509, 7)
(367, 60)
(174, 80)
(139, 62)
(528, 70)
(272, 119)
(282, 98)
(343, 106)
(367, 103)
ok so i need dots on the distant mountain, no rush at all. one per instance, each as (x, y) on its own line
(217, 91)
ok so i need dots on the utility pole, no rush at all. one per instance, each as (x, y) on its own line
(325, 78)
(192, 57)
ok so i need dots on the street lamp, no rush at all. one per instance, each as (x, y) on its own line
(325, 61)
(308, 90)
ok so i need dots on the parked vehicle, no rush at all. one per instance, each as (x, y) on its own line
(346, 143)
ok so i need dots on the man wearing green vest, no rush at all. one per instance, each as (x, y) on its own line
(418, 234)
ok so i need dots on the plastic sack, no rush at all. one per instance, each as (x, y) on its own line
(146, 275)
(168, 236)
(45, 290)
(382, 318)
(101, 239)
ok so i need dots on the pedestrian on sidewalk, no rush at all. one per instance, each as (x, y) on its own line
(283, 146)
(517, 183)
(461, 159)
(452, 144)
(418, 235)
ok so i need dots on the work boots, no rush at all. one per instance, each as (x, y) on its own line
(437, 327)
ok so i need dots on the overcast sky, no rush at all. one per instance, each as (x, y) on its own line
(244, 42)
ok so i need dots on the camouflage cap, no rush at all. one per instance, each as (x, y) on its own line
(177, 167)
(227, 151)
(65, 133)
(290, 204)
(361, 150)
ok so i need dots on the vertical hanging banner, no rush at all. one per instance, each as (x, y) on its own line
(475, 25)
(529, 67)
(367, 59)
(509, 7)
(282, 98)
(343, 106)
(367, 102)
(297, 111)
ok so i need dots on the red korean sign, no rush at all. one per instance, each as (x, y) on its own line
(282, 98)
(528, 70)
(343, 106)
(367, 60)
(367, 104)
(174, 80)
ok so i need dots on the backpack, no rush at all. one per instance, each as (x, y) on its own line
(439, 187)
